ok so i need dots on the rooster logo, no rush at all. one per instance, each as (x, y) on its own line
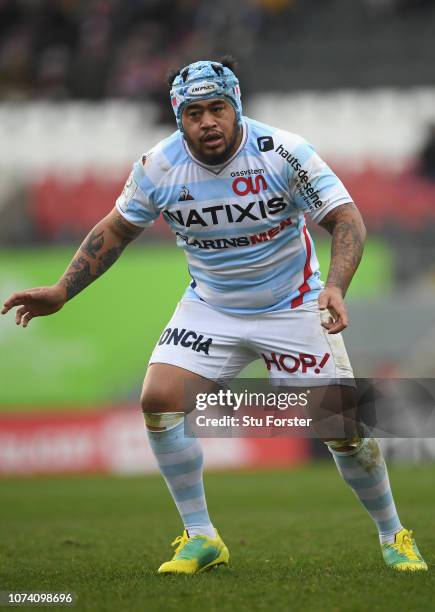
(185, 195)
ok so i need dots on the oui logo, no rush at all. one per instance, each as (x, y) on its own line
(244, 185)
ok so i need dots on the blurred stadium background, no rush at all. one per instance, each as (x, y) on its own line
(82, 95)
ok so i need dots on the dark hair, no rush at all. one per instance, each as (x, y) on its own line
(228, 61)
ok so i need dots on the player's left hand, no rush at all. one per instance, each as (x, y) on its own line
(331, 299)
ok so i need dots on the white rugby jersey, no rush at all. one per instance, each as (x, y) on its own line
(241, 224)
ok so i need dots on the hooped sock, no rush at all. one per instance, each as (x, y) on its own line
(180, 460)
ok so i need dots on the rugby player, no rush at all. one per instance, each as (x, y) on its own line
(235, 193)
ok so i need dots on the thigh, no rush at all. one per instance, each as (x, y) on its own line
(204, 341)
(168, 388)
(296, 349)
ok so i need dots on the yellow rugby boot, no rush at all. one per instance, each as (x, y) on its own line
(195, 554)
(403, 554)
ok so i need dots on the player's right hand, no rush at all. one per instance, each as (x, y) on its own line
(37, 302)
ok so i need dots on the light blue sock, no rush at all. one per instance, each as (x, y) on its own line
(365, 472)
(180, 460)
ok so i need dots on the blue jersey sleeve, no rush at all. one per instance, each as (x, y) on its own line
(136, 200)
(314, 187)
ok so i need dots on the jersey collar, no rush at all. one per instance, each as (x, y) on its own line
(217, 168)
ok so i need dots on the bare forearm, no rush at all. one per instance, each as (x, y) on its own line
(95, 255)
(348, 232)
(99, 250)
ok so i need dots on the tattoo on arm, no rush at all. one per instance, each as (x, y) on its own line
(77, 277)
(93, 243)
(108, 258)
(98, 252)
(128, 232)
(348, 235)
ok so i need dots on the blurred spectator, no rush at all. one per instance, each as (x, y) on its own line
(277, 6)
(15, 62)
(52, 73)
(380, 7)
(387, 7)
(90, 64)
(139, 64)
(228, 26)
(10, 14)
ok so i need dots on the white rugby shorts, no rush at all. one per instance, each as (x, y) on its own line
(292, 344)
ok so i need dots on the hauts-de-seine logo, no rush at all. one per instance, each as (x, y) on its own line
(185, 195)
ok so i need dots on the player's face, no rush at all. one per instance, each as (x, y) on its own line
(211, 130)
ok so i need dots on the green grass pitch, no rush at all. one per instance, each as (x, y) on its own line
(298, 540)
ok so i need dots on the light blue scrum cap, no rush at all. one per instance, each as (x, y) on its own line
(201, 81)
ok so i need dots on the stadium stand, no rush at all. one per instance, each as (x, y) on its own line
(52, 49)
(78, 155)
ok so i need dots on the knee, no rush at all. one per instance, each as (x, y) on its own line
(163, 390)
(160, 412)
(157, 400)
(342, 445)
